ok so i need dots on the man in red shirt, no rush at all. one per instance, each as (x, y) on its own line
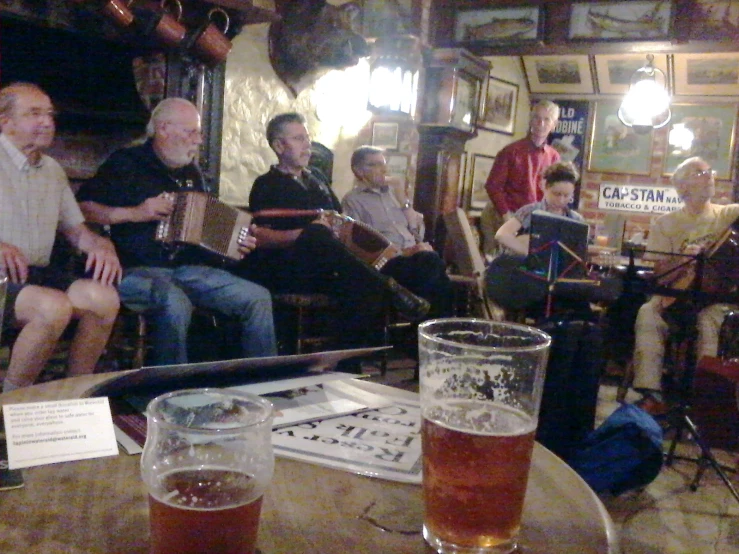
(514, 179)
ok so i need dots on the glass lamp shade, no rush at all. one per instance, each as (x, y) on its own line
(394, 75)
(647, 105)
(393, 89)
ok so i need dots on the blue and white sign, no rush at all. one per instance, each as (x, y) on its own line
(638, 198)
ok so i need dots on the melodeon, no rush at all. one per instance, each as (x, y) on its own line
(365, 242)
(202, 220)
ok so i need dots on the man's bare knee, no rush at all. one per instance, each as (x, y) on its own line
(90, 296)
(45, 306)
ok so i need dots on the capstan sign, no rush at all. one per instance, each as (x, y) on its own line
(638, 198)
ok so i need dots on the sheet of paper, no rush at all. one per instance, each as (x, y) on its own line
(384, 443)
(321, 401)
(49, 432)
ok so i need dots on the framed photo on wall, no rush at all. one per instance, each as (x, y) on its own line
(719, 20)
(614, 71)
(496, 25)
(616, 148)
(710, 135)
(385, 135)
(498, 110)
(707, 74)
(481, 166)
(621, 20)
(559, 74)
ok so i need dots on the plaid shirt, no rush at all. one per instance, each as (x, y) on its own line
(35, 201)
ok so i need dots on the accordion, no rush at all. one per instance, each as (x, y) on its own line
(202, 220)
(366, 243)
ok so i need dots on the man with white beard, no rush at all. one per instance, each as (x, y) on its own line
(132, 193)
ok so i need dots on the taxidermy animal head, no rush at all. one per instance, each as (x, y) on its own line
(311, 37)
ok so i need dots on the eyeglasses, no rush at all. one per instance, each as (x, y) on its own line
(702, 173)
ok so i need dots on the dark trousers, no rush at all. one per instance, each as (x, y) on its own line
(424, 274)
(318, 263)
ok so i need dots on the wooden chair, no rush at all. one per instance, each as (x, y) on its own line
(470, 267)
(709, 412)
(304, 322)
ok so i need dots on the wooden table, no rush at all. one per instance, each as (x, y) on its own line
(100, 506)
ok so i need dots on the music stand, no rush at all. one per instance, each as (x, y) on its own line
(679, 415)
(557, 251)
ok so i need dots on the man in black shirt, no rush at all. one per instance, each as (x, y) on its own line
(131, 194)
(301, 254)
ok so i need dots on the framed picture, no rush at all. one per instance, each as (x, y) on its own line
(615, 148)
(621, 20)
(559, 74)
(481, 166)
(614, 72)
(498, 110)
(715, 20)
(496, 25)
(707, 74)
(706, 131)
(381, 18)
(385, 135)
(397, 168)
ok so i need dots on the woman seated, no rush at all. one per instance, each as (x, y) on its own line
(558, 182)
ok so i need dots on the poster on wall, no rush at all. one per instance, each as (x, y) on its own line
(568, 137)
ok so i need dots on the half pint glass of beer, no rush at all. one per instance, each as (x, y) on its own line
(481, 386)
(206, 464)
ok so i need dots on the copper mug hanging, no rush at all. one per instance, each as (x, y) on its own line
(209, 42)
(116, 10)
(162, 25)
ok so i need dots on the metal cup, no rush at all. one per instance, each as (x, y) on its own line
(209, 42)
(118, 11)
(163, 26)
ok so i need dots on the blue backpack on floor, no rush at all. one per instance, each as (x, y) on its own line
(624, 453)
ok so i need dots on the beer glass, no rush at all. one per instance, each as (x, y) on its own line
(481, 384)
(206, 464)
(3, 294)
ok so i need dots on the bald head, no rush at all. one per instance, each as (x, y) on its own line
(174, 127)
(694, 181)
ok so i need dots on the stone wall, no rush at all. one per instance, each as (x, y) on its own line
(335, 107)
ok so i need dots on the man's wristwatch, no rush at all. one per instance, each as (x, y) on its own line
(406, 205)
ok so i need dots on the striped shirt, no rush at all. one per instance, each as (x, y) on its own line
(35, 202)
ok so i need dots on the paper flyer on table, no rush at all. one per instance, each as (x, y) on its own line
(384, 443)
(49, 432)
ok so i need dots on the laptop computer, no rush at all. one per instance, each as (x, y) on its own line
(558, 246)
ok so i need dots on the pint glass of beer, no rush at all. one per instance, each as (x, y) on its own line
(206, 464)
(481, 384)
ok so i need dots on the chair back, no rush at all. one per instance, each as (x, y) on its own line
(469, 262)
(467, 256)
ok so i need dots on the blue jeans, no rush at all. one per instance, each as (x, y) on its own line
(168, 295)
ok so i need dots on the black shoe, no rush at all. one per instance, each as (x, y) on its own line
(408, 304)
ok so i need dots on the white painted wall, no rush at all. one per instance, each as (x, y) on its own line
(335, 107)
